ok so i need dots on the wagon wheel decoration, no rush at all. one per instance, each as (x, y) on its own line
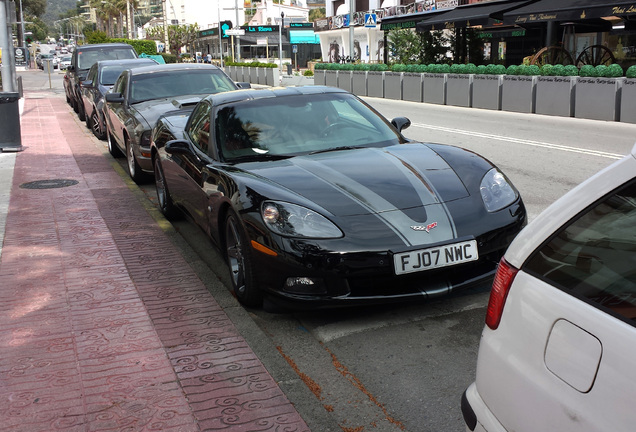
(595, 55)
(552, 55)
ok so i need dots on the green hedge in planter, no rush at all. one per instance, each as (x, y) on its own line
(252, 64)
(631, 72)
(352, 66)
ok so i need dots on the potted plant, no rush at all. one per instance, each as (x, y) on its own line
(359, 79)
(393, 82)
(412, 83)
(597, 92)
(319, 73)
(518, 90)
(487, 86)
(434, 83)
(555, 90)
(375, 80)
(628, 96)
(459, 85)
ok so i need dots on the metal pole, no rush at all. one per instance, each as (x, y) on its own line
(130, 33)
(238, 38)
(218, 5)
(165, 27)
(280, 40)
(352, 10)
(8, 63)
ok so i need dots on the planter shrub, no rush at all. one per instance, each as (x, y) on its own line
(597, 98)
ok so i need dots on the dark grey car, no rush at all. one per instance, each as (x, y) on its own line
(83, 58)
(101, 78)
(143, 94)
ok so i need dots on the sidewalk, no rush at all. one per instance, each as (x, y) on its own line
(103, 324)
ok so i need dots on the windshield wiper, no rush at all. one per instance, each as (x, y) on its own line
(337, 149)
(258, 158)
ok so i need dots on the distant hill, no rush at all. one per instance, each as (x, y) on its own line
(56, 7)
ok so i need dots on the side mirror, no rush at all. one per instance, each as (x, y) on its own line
(114, 97)
(401, 123)
(70, 68)
(243, 85)
(178, 147)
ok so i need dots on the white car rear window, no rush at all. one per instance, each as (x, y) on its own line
(594, 256)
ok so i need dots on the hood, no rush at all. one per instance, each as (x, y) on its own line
(403, 187)
(368, 180)
(151, 110)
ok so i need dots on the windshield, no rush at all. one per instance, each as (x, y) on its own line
(171, 83)
(86, 59)
(299, 124)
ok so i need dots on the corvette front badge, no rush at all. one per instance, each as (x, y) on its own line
(426, 228)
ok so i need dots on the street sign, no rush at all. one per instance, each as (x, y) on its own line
(371, 20)
(294, 49)
(235, 32)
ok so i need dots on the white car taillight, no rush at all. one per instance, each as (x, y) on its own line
(500, 287)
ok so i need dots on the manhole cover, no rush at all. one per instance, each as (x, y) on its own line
(49, 184)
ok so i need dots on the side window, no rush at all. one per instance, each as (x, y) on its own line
(199, 127)
(594, 256)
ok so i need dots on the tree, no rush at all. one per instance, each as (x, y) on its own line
(178, 35)
(433, 47)
(35, 8)
(404, 46)
(317, 13)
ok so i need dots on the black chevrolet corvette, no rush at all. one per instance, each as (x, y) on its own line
(316, 199)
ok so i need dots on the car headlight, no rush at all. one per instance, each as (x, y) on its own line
(292, 220)
(496, 192)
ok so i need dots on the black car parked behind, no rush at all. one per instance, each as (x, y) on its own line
(101, 77)
(83, 58)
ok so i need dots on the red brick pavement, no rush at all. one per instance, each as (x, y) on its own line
(103, 325)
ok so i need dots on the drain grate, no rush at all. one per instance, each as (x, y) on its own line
(49, 184)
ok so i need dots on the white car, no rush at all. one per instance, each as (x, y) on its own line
(558, 352)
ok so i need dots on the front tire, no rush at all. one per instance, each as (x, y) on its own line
(239, 261)
(112, 145)
(95, 125)
(166, 206)
(134, 170)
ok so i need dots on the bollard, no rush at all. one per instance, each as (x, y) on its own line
(10, 138)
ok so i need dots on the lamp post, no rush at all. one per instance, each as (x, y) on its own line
(280, 40)
(238, 37)
(218, 5)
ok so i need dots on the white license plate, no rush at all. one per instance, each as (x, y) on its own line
(435, 257)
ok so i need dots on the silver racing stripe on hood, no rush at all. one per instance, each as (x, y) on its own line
(439, 226)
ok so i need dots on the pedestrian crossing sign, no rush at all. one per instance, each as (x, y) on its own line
(371, 20)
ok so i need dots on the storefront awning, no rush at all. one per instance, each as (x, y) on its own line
(409, 20)
(486, 14)
(569, 10)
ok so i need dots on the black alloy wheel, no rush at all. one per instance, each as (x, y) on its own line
(134, 170)
(112, 145)
(95, 125)
(166, 206)
(239, 261)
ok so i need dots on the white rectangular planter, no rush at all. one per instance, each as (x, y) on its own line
(555, 95)
(487, 91)
(375, 84)
(319, 77)
(262, 76)
(628, 101)
(393, 85)
(412, 87)
(459, 90)
(359, 83)
(254, 71)
(331, 78)
(598, 98)
(518, 93)
(273, 77)
(434, 88)
(344, 80)
(229, 70)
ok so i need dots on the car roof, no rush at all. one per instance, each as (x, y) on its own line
(102, 45)
(173, 67)
(273, 92)
(147, 61)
